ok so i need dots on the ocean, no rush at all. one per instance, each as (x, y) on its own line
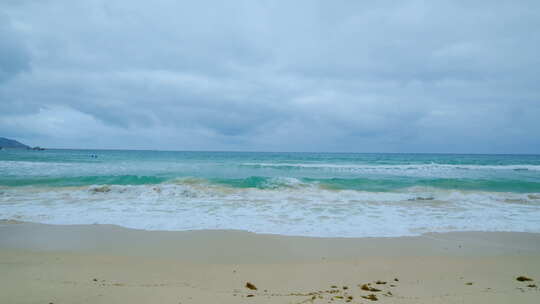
(306, 194)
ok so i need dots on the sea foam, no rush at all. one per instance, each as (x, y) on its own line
(300, 209)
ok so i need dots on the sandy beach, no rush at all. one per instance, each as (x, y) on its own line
(109, 264)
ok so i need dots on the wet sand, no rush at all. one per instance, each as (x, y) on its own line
(109, 264)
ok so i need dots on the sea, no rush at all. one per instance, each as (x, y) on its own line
(303, 194)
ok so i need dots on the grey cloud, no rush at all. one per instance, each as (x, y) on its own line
(441, 76)
(14, 58)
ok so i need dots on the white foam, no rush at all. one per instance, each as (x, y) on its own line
(304, 210)
(430, 167)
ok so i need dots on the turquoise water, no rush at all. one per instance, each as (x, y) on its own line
(370, 172)
(318, 194)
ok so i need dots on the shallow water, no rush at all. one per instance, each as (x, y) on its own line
(312, 194)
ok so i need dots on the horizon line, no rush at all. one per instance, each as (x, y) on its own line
(259, 151)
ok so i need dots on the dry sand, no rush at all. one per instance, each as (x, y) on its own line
(108, 264)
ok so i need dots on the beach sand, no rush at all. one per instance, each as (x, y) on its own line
(109, 264)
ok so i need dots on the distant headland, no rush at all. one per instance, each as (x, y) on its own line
(6, 143)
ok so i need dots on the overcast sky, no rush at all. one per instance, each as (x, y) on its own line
(362, 76)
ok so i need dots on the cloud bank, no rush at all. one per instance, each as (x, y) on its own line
(381, 76)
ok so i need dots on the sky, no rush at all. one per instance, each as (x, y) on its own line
(336, 76)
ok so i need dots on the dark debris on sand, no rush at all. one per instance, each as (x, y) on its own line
(336, 294)
(524, 279)
(251, 286)
(371, 297)
(366, 287)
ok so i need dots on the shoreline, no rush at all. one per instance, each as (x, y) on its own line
(113, 239)
(110, 264)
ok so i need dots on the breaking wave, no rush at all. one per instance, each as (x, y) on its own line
(263, 182)
(280, 206)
